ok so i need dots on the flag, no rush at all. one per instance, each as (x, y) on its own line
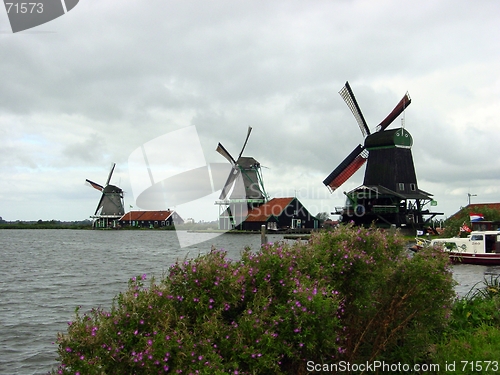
(465, 228)
(476, 217)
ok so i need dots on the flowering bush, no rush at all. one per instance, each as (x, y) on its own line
(349, 294)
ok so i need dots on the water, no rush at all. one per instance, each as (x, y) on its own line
(45, 274)
(470, 276)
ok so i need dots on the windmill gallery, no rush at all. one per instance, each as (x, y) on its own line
(388, 197)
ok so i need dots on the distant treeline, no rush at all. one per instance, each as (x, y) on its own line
(49, 224)
(87, 224)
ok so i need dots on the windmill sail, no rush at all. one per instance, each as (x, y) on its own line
(246, 140)
(221, 150)
(347, 168)
(351, 102)
(95, 185)
(110, 174)
(233, 175)
(400, 107)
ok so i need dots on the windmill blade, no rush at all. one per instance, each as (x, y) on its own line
(110, 174)
(95, 185)
(229, 183)
(348, 96)
(221, 150)
(246, 140)
(347, 168)
(400, 107)
(99, 205)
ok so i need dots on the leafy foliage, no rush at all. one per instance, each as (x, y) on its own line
(350, 294)
(474, 331)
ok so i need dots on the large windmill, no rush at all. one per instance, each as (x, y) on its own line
(110, 206)
(243, 190)
(389, 194)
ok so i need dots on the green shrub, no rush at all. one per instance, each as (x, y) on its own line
(474, 331)
(351, 294)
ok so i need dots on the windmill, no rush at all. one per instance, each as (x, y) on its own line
(243, 190)
(389, 194)
(110, 206)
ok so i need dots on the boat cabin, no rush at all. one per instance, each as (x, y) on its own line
(478, 242)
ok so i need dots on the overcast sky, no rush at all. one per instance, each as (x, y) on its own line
(92, 86)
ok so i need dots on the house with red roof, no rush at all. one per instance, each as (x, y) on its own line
(477, 207)
(279, 214)
(485, 222)
(150, 219)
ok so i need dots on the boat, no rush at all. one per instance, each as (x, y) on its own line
(480, 247)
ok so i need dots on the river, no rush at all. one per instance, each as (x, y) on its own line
(45, 274)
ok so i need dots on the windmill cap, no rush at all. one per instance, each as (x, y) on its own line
(389, 138)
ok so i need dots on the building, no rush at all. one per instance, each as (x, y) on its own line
(150, 219)
(279, 214)
(489, 211)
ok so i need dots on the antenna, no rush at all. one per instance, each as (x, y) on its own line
(468, 197)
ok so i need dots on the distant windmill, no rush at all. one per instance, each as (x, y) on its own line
(110, 206)
(389, 194)
(245, 184)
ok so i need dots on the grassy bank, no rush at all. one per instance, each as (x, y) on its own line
(53, 224)
(472, 338)
(351, 295)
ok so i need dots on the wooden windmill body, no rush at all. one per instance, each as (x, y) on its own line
(389, 195)
(110, 207)
(243, 190)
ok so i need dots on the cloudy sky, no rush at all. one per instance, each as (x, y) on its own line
(91, 87)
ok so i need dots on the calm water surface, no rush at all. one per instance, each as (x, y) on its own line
(45, 274)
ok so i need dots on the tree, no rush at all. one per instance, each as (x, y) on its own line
(322, 216)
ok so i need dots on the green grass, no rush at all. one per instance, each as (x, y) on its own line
(473, 335)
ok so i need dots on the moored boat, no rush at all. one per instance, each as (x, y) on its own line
(480, 247)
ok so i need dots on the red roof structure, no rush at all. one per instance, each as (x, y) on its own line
(273, 207)
(278, 214)
(151, 217)
(478, 207)
(147, 215)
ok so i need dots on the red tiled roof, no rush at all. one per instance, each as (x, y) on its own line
(147, 215)
(274, 207)
(493, 206)
(473, 206)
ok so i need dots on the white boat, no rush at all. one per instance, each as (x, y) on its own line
(480, 247)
